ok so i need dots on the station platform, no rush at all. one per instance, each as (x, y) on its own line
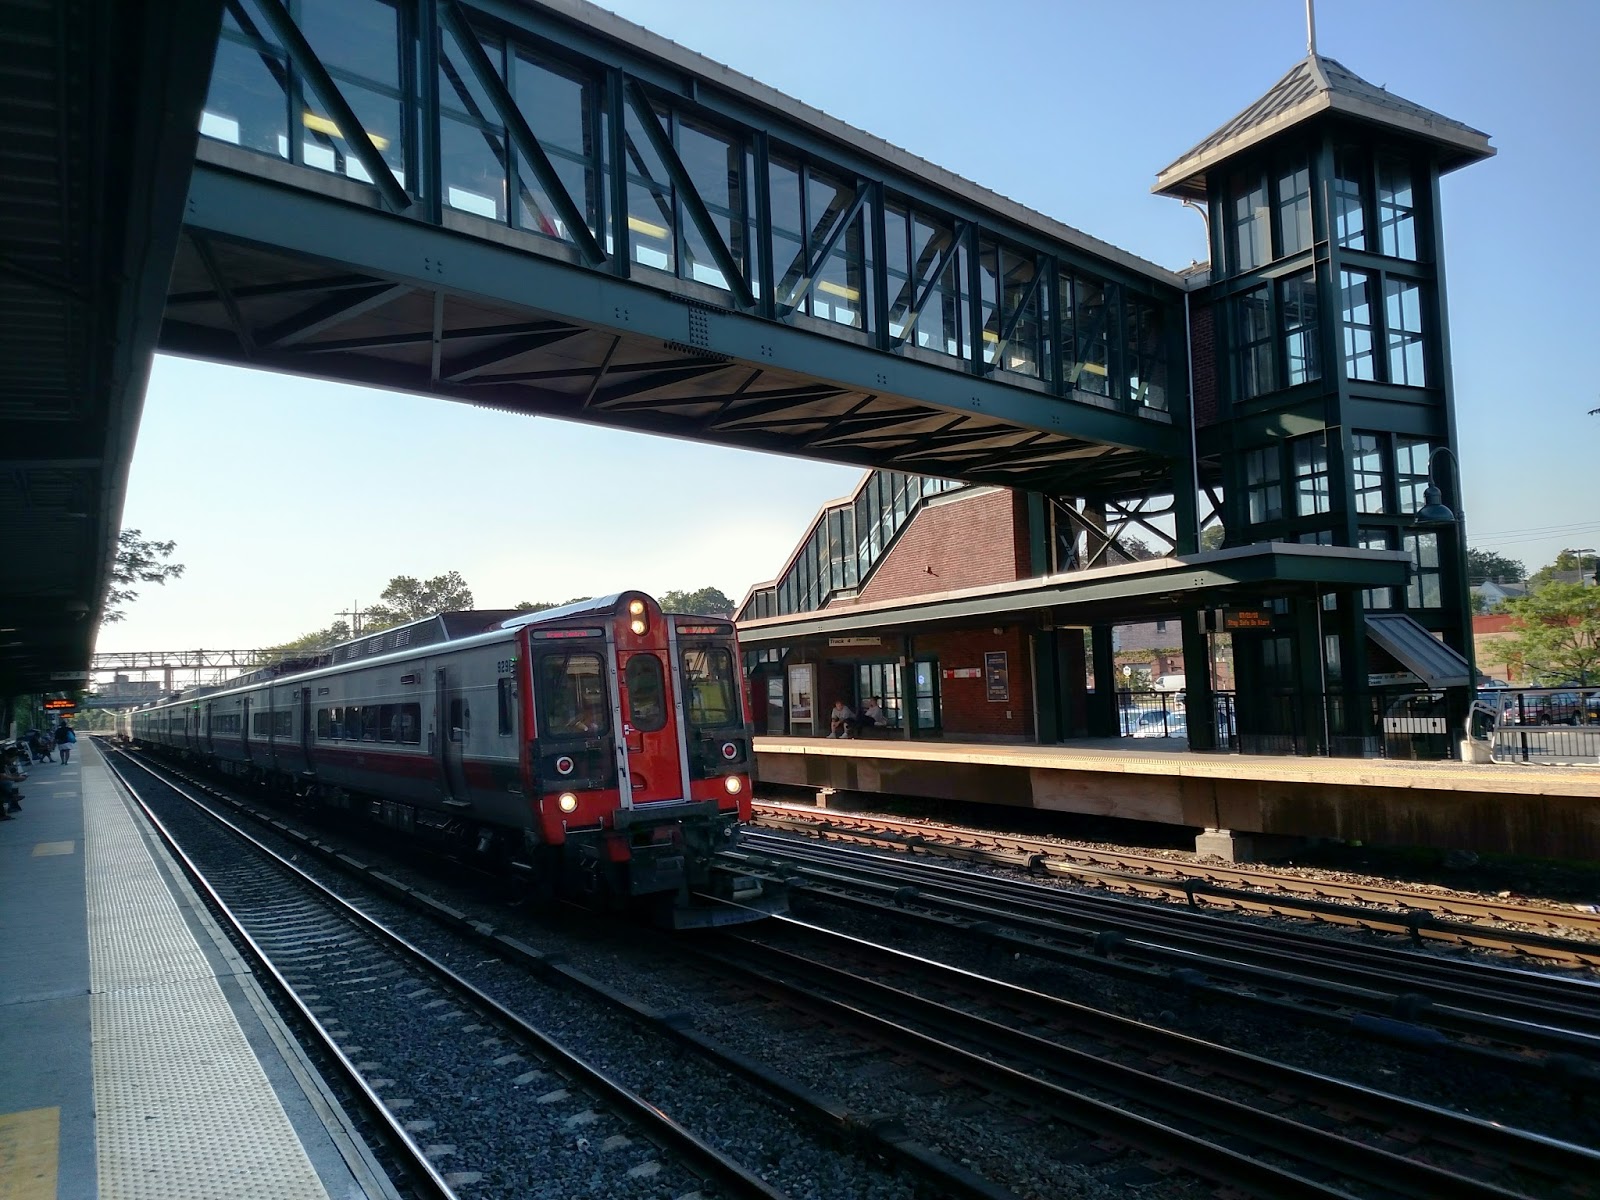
(138, 1056)
(1545, 811)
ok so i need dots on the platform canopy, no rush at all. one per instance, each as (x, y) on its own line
(1244, 575)
(1418, 651)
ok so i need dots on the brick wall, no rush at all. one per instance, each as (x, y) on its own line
(1203, 349)
(966, 542)
(968, 712)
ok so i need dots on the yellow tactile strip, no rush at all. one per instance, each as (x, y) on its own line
(183, 1108)
(29, 1149)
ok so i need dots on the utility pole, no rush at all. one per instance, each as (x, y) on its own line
(355, 614)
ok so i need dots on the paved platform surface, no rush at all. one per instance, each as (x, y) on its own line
(1106, 757)
(138, 1057)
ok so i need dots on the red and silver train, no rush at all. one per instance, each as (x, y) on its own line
(604, 745)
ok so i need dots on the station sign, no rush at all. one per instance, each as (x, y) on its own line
(61, 708)
(1231, 619)
(69, 676)
(855, 641)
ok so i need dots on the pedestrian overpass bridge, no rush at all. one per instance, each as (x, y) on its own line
(536, 206)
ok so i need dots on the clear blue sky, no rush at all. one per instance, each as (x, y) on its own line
(291, 499)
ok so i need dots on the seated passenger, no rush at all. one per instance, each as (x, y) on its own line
(841, 720)
(871, 714)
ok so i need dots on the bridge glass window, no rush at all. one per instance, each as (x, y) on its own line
(1355, 288)
(842, 289)
(1298, 309)
(1294, 207)
(1263, 479)
(358, 36)
(1349, 207)
(1403, 330)
(559, 108)
(328, 147)
(1366, 464)
(1024, 312)
(1311, 474)
(934, 271)
(1397, 229)
(989, 298)
(651, 226)
(647, 692)
(1252, 342)
(788, 222)
(1145, 354)
(715, 163)
(1087, 307)
(1247, 221)
(248, 102)
(472, 140)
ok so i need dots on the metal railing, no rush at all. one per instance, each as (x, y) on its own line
(1552, 725)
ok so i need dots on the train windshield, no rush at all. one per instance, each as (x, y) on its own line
(710, 687)
(572, 696)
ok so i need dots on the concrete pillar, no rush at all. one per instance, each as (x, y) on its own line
(1226, 845)
(1310, 674)
(1198, 700)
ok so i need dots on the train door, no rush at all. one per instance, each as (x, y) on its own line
(244, 726)
(650, 727)
(305, 724)
(453, 720)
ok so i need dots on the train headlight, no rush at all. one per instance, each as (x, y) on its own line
(638, 625)
(636, 608)
(568, 802)
(734, 784)
(640, 621)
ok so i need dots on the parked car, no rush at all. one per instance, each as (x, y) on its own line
(1157, 724)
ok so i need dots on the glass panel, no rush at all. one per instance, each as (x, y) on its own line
(1253, 340)
(839, 292)
(1426, 588)
(897, 265)
(472, 169)
(714, 161)
(1397, 232)
(1299, 301)
(572, 696)
(1247, 218)
(1091, 369)
(712, 691)
(1294, 208)
(1350, 221)
(359, 36)
(989, 297)
(558, 109)
(1403, 316)
(459, 89)
(1366, 458)
(247, 104)
(788, 221)
(1146, 354)
(326, 146)
(1411, 472)
(1376, 539)
(650, 216)
(1356, 289)
(1263, 488)
(939, 326)
(1020, 309)
(1311, 475)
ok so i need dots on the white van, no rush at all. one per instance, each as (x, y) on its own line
(1170, 683)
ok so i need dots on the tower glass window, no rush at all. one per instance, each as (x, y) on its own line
(1411, 472)
(1366, 463)
(1397, 227)
(1426, 589)
(1247, 221)
(1294, 207)
(1252, 323)
(1403, 329)
(1349, 209)
(1376, 539)
(1299, 308)
(1355, 289)
(1263, 485)
(1311, 474)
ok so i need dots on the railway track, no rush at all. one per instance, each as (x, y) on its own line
(1149, 1099)
(865, 1134)
(1541, 1024)
(1421, 916)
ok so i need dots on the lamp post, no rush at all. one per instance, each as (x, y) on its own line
(1435, 513)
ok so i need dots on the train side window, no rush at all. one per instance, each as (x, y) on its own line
(508, 706)
(336, 728)
(647, 693)
(572, 696)
(388, 724)
(411, 724)
(458, 721)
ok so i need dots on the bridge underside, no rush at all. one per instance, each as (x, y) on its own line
(360, 299)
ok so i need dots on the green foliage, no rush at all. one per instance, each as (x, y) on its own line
(338, 632)
(138, 561)
(1213, 537)
(1486, 564)
(707, 602)
(407, 599)
(1567, 568)
(1558, 633)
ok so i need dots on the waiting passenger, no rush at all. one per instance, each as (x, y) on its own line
(64, 740)
(11, 774)
(871, 713)
(841, 720)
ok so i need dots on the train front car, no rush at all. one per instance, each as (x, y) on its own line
(641, 756)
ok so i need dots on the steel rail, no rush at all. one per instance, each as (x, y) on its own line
(627, 1103)
(1152, 874)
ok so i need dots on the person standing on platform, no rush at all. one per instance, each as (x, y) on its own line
(64, 739)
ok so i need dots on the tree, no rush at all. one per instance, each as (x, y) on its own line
(707, 602)
(1557, 633)
(1486, 564)
(407, 599)
(1211, 538)
(138, 561)
(1570, 566)
(338, 632)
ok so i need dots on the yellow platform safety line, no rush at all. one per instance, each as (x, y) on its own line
(47, 849)
(30, 1144)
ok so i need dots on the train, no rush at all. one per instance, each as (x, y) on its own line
(601, 748)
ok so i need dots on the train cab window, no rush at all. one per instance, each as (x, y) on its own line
(572, 696)
(711, 692)
(647, 693)
(507, 706)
